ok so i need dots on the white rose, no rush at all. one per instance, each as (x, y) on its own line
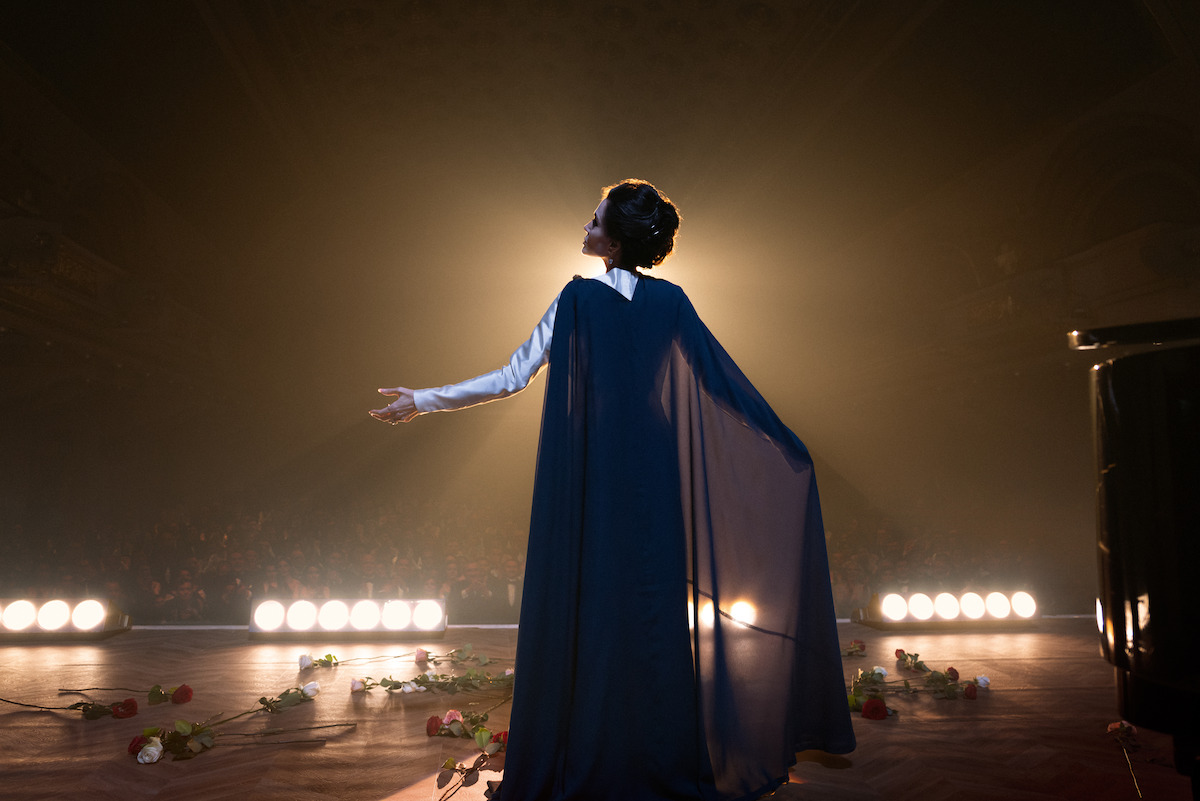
(306, 661)
(151, 752)
(880, 671)
(408, 687)
(311, 689)
(357, 686)
(983, 681)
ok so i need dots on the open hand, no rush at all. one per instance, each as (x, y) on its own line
(401, 410)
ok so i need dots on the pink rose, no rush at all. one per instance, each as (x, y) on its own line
(452, 716)
(875, 709)
(181, 695)
(970, 692)
(433, 726)
(358, 686)
(952, 674)
(421, 655)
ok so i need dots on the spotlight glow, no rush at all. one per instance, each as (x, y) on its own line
(88, 615)
(334, 615)
(19, 615)
(919, 606)
(365, 615)
(743, 612)
(1023, 604)
(946, 606)
(396, 615)
(269, 615)
(301, 616)
(707, 614)
(894, 607)
(53, 615)
(427, 615)
(972, 605)
(998, 605)
(1099, 616)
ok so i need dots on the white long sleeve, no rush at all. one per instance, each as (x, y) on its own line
(525, 363)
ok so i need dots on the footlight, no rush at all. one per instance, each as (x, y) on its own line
(949, 610)
(60, 619)
(353, 619)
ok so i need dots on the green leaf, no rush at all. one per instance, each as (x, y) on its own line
(183, 727)
(449, 764)
(482, 738)
(491, 748)
(483, 660)
(446, 775)
(456, 728)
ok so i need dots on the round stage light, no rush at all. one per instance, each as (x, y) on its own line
(302, 615)
(19, 615)
(743, 612)
(53, 615)
(894, 607)
(269, 615)
(88, 615)
(427, 615)
(1023, 604)
(998, 605)
(946, 606)
(334, 615)
(396, 615)
(920, 606)
(707, 614)
(365, 615)
(972, 605)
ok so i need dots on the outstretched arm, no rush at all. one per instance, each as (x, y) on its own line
(508, 380)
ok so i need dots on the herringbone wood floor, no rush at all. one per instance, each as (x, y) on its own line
(1038, 733)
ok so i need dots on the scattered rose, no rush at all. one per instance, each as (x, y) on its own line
(1121, 726)
(181, 695)
(900, 653)
(151, 752)
(874, 709)
(452, 716)
(970, 692)
(501, 737)
(306, 661)
(135, 745)
(311, 689)
(421, 655)
(433, 726)
(509, 672)
(952, 674)
(983, 681)
(880, 671)
(125, 709)
(357, 686)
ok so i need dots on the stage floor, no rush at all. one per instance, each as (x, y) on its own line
(1039, 731)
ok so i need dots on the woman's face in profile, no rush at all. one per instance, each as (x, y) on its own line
(595, 241)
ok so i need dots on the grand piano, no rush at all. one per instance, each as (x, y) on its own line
(1146, 408)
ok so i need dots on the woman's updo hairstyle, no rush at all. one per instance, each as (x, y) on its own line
(643, 220)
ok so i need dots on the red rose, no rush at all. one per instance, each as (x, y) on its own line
(433, 726)
(875, 709)
(970, 691)
(952, 674)
(900, 653)
(502, 738)
(135, 745)
(182, 694)
(125, 709)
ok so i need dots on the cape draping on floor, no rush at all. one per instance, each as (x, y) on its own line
(666, 492)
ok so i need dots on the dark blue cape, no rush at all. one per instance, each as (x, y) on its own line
(666, 485)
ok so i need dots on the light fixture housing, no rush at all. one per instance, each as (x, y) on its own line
(347, 619)
(939, 609)
(60, 619)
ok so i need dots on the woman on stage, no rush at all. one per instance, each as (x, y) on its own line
(678, 638)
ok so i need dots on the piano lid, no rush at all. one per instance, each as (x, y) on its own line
(1156, 333)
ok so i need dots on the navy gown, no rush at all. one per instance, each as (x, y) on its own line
(669, 500)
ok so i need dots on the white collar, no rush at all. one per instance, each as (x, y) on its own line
(624, 281)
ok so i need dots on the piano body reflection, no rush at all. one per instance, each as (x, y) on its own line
(1146, 407)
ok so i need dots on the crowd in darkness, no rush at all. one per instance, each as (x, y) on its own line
(210, 566)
